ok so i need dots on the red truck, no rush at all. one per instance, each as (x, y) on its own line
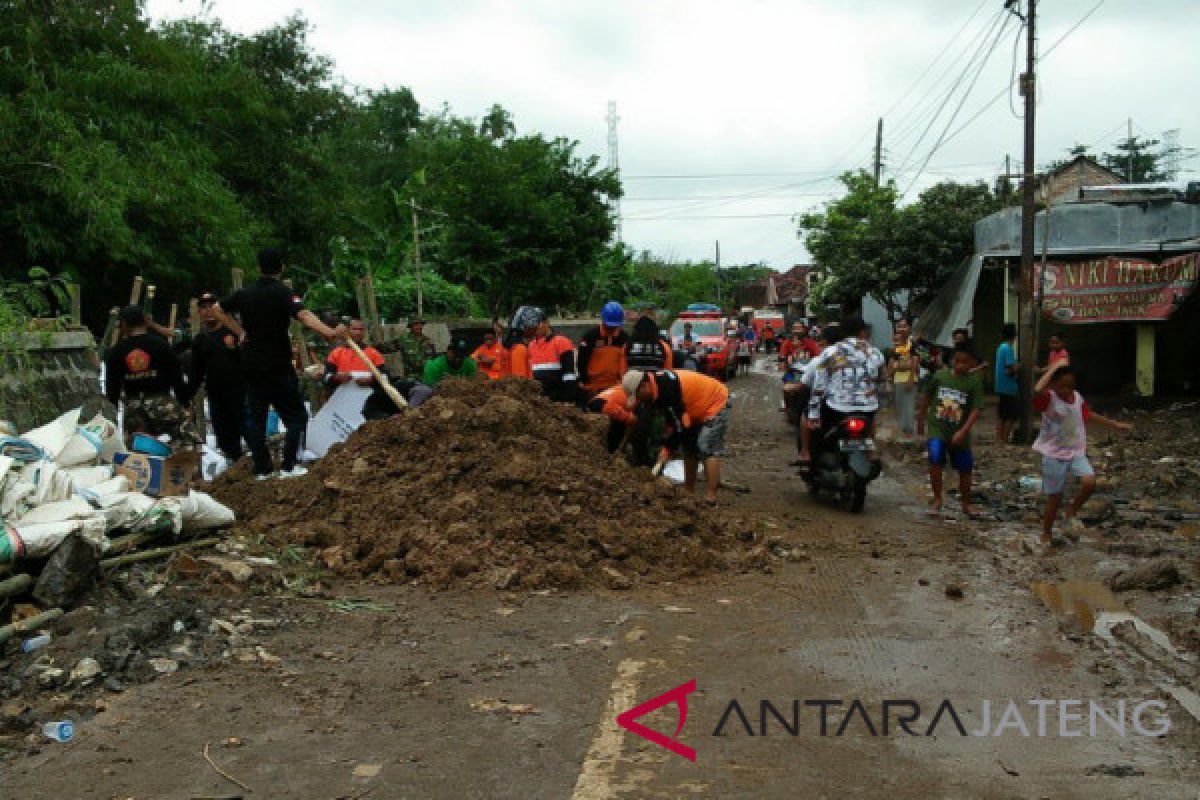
(710, 343)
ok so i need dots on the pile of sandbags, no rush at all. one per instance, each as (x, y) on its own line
(58, 481)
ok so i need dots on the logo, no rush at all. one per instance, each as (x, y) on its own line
(138, 360)
(678, 695)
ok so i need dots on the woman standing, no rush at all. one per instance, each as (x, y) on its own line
(902, 370)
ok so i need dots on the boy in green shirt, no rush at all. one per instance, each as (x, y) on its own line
(951, 404)
(454, 363)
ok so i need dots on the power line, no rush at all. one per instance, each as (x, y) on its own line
(949, 95)
(984, 108)
(957, 109)
(708, 216)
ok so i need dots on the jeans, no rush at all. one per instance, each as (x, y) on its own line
(906, 403)
(282, 392)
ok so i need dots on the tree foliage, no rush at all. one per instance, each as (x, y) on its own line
(863, 243)
(175, 151)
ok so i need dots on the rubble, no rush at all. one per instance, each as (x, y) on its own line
(478, 487)
(1152, 577)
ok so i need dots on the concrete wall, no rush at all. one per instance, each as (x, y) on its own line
(43, 375)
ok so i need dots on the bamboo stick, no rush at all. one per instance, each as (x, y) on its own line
(15, 585)
(31, 624)
(158, 552)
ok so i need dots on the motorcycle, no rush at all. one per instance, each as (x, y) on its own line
(844, 461)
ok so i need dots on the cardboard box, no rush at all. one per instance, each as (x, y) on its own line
(157, 476)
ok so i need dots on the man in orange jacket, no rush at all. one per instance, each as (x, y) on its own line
(613, 403)
(696, 408)
(492, 357)
(602, 351)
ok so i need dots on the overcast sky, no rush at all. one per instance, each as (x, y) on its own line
(752, 107)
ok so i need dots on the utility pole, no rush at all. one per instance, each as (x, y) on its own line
(412, 201)
(1027, 346)
(878, 149)
(717, 271)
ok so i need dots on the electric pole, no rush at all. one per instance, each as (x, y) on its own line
(412, 201)
(878, 150)
(1027, 346)
(717, 271)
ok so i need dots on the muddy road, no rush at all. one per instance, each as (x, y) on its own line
(410, 693)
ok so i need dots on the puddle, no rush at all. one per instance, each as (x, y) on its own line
(1082, 600)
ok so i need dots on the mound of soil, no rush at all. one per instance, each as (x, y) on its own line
(490, 483)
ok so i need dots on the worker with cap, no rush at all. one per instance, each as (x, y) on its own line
(142, 369)
(613, 403)
(216, 364)
(696, 408)
(601, 353)
(552, 363)
(415, 349)
(267, 308)
(454, 363)
(492, 356)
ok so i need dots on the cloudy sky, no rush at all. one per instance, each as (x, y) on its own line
(736, 115)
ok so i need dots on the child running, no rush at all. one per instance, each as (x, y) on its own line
(951, 404)
(1062, 442)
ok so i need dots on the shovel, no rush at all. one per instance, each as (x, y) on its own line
(384, 383)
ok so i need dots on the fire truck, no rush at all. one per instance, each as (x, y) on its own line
(711, 346)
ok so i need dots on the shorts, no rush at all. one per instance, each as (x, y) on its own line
(1008, 407)
(963, 460)
(707, 440)
(1055, 470)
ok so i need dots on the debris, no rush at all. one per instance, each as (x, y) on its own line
(36, 643)
(1114, 771)
(164, 666)
(495, 445)
(223, 773)
(69, 573)
(60, 731)
(615, 579)
(954, 592)
(499, 705)
(159, 552)
(86, 672)
(368, 770)
(1152, 577)
(678, 610)
(1007, 769)
(29, 624)
(240, 571)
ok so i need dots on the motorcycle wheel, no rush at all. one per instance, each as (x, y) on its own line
(858, 493)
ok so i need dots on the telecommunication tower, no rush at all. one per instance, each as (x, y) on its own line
(613, 160)
(1171, 153)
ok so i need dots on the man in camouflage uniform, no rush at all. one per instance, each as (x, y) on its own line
(415, 349)
(143, 368)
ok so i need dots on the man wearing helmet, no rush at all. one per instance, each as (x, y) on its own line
(602, 352)
(544, 355)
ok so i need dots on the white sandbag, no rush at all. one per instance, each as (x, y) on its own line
(15, 500)
(60, 511)
(82, 448)
(52, 483)
(6, 464)
(86, 477)
(124, 509)
(93, 532)
(162, 513)
(41, 539)
(106, 432)
(201, 512)
(53, 436)
(97, 492)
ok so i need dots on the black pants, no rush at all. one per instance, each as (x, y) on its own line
(227, 413)
(282, 392)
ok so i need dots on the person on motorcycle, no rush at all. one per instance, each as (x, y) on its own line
(799, 345)
(845, 380)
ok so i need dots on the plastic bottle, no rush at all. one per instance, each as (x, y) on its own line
(61, 731)
(36, 643)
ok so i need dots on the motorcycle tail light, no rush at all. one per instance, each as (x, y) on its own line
(855, 426)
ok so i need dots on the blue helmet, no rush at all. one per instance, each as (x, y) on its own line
(612, 315)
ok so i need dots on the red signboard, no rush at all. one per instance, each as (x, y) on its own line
(1116, 289)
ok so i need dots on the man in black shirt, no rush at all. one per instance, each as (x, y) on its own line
(267, 308)
(143, 368)
(217, 363)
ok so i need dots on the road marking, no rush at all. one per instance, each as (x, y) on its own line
(600, 764)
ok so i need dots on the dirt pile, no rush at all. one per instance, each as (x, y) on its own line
(491, 483)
